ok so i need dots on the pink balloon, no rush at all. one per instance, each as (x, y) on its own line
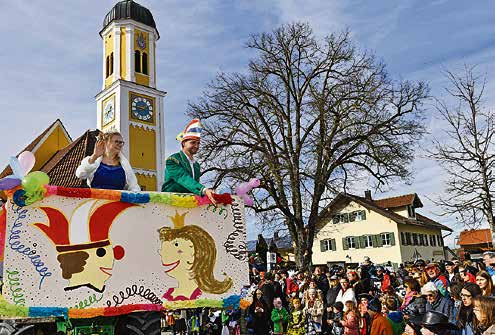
(27, 160)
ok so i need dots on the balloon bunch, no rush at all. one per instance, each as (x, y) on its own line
(32, 182)
(243, 189)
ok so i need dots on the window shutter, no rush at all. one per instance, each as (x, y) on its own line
(322, 246)
(345, 245)
(362, 241)
(333, 244)
(392, 238)
(378, 239)
(363, 215)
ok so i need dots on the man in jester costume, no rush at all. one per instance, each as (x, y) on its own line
(182, 172)
(86, 260)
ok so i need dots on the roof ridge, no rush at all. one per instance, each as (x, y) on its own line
(397, 196)
(7, 170)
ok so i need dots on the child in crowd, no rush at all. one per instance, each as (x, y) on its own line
(351, 319)
(338, 316)
(296, 322)
(395, 317)
(314, 311)
(279, 317)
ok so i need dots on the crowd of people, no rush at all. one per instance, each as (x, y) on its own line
(450, 297)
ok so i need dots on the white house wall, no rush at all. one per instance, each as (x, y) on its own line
(374, 224)
(427, 252)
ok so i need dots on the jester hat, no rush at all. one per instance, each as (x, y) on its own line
(191, 132)
(87, 228)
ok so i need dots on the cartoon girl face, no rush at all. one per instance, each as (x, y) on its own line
(177, 255)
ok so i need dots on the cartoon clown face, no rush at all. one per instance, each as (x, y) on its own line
(85, 260)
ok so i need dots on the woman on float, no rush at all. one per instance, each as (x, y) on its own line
(107, 168)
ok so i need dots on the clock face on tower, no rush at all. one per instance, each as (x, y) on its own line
(142, 108)
(108, 111)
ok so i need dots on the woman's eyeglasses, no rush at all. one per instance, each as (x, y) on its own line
(466, 295)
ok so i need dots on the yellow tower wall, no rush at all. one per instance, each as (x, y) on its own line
(123, 54)
(147, 183)
(109, 49)
(142, 148)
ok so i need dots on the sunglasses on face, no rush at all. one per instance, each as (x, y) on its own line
(429, 295)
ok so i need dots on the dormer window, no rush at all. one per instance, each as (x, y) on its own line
(411, 212)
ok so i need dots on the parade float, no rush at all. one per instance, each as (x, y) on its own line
(91, 261)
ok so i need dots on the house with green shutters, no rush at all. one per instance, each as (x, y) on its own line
(388, 229)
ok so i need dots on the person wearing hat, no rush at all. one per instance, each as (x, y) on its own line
(434, 276)
(437, 302)
(182, 172)
(379, 324)
(365, 324)
(432, 323)
(452, 274)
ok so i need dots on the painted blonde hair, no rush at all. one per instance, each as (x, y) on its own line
(205, 255)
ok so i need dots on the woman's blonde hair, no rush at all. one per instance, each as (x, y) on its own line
(106, 136)
(205, 255)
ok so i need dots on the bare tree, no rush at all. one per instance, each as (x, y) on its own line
(306, 117)
(465, 150)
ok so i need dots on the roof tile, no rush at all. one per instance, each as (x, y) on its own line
(61, 168)
(399, 201)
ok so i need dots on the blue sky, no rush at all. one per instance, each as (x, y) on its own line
(51, 57)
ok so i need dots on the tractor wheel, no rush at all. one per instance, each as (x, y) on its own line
(139, 323)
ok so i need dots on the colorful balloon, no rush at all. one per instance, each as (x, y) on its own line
(41, 177)
(243, 189)
(30, 183)
(16, 167)
(26, 161)
(9, 183)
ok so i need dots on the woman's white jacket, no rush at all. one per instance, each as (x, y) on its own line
(85, 170)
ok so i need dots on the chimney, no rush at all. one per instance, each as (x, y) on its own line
(275, 235)
(367, 194)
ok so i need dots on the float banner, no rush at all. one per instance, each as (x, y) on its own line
(83, 256)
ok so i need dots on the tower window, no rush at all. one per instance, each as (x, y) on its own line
(137, 61)
(111, 63)
(107, 67)
(145, 63)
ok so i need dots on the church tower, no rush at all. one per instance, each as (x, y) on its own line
(129, 101)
